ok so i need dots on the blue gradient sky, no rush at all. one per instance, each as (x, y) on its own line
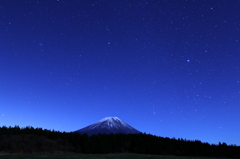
(170, 68)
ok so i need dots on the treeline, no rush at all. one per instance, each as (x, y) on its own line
(30, 140)
(38, 140)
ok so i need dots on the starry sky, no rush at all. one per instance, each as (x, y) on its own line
(170, 68)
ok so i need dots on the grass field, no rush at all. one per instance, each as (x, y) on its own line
(96, 156)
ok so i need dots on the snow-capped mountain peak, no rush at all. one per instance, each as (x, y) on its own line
(108, 125)
(109, 119)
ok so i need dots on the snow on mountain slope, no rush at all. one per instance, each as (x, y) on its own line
(108, 125)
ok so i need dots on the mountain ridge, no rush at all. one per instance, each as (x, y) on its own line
(108, 125)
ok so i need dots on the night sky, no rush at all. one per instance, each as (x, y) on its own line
(170, 68)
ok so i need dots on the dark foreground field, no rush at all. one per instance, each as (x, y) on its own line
(97, 156)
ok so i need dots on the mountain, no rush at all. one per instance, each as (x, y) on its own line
(108, 125)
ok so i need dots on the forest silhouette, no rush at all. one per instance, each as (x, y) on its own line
(38, 140)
